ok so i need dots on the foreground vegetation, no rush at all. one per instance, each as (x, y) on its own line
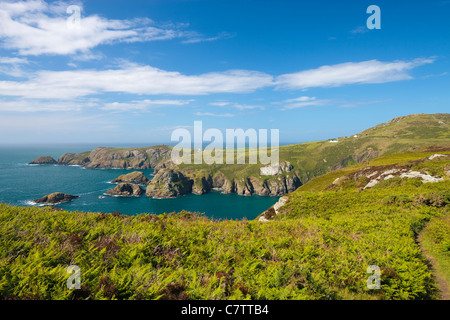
(319, 248)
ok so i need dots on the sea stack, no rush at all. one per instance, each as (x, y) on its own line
(135, 177)
(169, 183)
(126, 190)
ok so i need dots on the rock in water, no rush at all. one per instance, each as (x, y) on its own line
(44, 160)
(168, 183)
(55, 198)
(126, 189)
(135, 177)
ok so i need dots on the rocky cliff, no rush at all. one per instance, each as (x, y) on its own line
(113, 158)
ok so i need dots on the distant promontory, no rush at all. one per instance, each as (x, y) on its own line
(44, 160)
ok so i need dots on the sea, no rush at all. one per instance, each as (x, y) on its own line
(21, 183)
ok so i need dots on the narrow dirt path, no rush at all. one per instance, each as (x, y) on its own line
(443, 285)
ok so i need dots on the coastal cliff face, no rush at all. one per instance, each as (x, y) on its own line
(112, 158)
(168, 183)
(278, 186)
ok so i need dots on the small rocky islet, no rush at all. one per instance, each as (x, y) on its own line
(55, 198)
(135, 177)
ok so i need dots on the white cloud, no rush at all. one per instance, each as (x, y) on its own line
(12, 66)
(247, 107)
(35, 105)
(304, 101)
(235, 105)
(210, 114)
(12, 60)
(219, 103)
(34, 27)
(372, 71)
(142, 105)
(132, 79)
(300, 99)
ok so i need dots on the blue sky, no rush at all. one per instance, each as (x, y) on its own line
(134, 71)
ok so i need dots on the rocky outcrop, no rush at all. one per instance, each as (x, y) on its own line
(114, 158)
(244, 187)
(168, 183)
(356, 158)
(220, 182)
(283, 185)
(369, 177)
(270, 213)
(135, 177)
(126, 190)
(276, 169)
(55, 198)
(278, 186)
(44, 160)
(165, 164)
(434, 156)
(377, 177)
(202, 185)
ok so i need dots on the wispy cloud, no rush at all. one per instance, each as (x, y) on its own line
(12, 66)
(142, 105)
(303, 102)
(219, 103)
(39, 105)
(359, 30)
(35, 27)
(235, 105)
(372, 71)
(196, 37)
(210, 114)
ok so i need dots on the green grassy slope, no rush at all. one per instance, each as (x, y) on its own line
(395, 209)
(323, 181)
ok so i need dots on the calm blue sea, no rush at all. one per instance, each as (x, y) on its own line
(21, 183)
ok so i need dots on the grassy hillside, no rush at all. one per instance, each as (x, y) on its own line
(313, 159)
(319, 247)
